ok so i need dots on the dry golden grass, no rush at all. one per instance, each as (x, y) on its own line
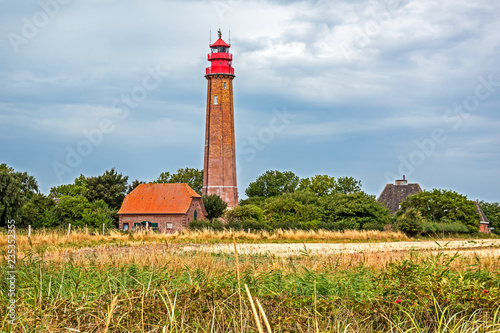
(201, 248)
(60, 238)
(275, 256)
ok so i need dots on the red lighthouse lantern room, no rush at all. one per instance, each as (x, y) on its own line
(220, 58)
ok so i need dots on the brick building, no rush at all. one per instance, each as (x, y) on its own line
(483, 220)
(163, 207)
(219, 169)
(394, 194)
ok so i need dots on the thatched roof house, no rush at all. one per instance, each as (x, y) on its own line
(394, 194)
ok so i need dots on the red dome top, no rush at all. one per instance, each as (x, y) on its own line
(220, 42)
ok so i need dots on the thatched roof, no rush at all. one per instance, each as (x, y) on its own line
(394, 194)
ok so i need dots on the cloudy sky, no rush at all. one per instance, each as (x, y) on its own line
(369, 89)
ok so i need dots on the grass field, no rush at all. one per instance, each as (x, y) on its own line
(297, 281)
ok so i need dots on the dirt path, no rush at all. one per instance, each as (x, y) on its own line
(325, 249)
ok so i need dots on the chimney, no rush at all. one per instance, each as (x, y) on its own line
(401, 181)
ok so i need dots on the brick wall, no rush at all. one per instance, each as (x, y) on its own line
(179, 221)
(196, 205)
(220, 154)
(484, 227)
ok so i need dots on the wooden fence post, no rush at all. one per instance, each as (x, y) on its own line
(69, 229)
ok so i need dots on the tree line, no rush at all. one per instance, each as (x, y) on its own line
(276, 199)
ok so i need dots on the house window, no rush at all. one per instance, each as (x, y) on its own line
(195, 215)
(215, 99)
(144, 225)
(225, 85)
(169, 225)
(125, 226)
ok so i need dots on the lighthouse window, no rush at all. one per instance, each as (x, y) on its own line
(215, 99)
(225, 85)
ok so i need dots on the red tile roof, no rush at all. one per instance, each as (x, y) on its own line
(158, 199)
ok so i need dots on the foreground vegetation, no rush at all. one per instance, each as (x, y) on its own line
(149, 285)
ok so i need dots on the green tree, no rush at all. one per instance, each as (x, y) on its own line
(38, 212)
(347, 185)
(6, 168)
(79, 187)
(443, 206)
(80, 212)
(29, 185)
(257, 201)
(245, 213)
(214, 206)
(319, 184)
(290, 209)
(109, 187)
(133, 185)
(16, 188)
(11, 199)
(410, 222)
(273, 183)
(191, 176)
(353, 211)
(492, 212)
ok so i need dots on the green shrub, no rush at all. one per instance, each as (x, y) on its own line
(214, 205)
(286, 208)
(409, 221)
(346, 224)
(203, 224)
(373, 226)
(311, 225)
(443, 206)
(352, 211)
(251, 225)
(80, 212)
(257, 201)
(245, 213)
(430, 227)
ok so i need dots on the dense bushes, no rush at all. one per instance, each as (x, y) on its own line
(306, 210)
(217, 225)
(437, 211)
(453, 228)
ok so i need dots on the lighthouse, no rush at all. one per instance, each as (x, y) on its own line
(219, 169)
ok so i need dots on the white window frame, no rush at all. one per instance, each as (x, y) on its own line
(170, 225)
(215, 100)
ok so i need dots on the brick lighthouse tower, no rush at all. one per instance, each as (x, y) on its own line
(219, 171)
